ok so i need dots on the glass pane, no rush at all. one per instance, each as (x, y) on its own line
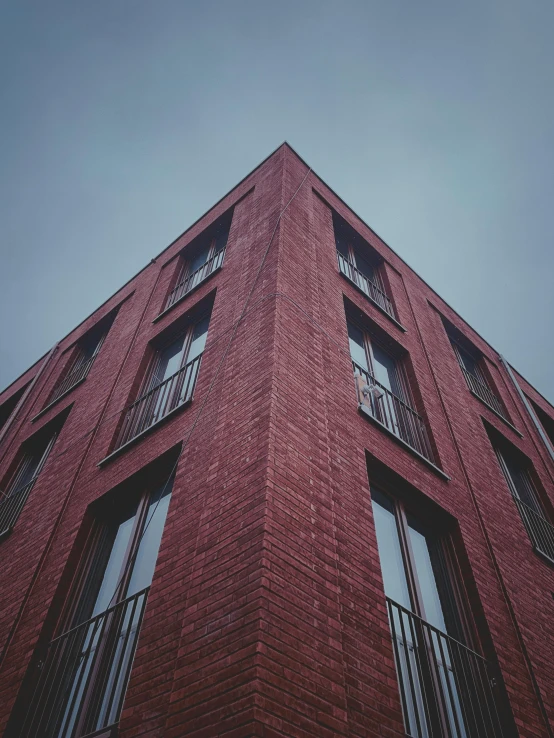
(426, 577)
(114, 567)
(169, 361)
(521, 483)
(385, 370)
(221, 238)
(365, 268)
(200, 258)
(470, 364)
(357, 350)
(145, 559)
(199, 335)
(390, 553)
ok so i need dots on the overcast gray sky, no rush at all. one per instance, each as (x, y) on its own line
(124, 120)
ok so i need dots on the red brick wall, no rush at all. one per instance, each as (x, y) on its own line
(266, 615)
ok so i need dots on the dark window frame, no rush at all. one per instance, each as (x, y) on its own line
(446, 685)
(214, 241)
(81, 359)
(105, 676)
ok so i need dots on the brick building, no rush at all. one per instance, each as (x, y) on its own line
(275, 486)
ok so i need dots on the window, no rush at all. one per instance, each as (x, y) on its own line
(7, 407)
(545, 420)
(383, 390)
(445, 685)
(471, 365)
(14, 496)
(86, 667)
(200, 259)
(170, 379)
(517, 473)
(82, 359)
(360, 265)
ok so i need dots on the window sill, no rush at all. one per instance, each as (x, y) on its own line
(429, 464)
(498, 415)
(44, 410)
(187, 294)
(375, 304)
(109, 732)
(121, 449)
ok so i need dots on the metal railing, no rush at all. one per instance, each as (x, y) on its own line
(365, 284)
(539, 529)
(194, 279)
(11, 505)
(446, 689)
(159, 401)
(84, 674)
(484, 393)
(75, 375)
(396, 415)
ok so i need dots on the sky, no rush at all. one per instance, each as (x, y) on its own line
(123, 121)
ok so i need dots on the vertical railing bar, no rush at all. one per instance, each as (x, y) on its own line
(398, 664)
(121, 659)
(413, 690)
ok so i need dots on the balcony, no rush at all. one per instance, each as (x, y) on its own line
(540, 530)
(77, 374)
(393, 413)
(480, 389)
(84, 673)
(11, 505)
(368, 287)
(194, 279)
(446, 689)
(159, 401)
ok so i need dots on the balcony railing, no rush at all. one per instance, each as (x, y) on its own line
(392, 412)
(540, 530)
(75, 375)
(194, 279)
(84, 674)
(159, 401)
(484, 393)
(365, 284)
(446, 689)
(11, 505)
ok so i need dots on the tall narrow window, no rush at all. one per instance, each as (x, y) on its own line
(200, 259)
(445, 686)
(7, 407)
(525, 494)
(383, 390)
(83, 358)
(170, 380)
(14, 497)
(86, 668)
(470, 364)
(360, 265)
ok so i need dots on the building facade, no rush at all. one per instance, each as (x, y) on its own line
(275, 486)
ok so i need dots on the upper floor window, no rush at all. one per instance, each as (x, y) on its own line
(445, 685)
(519, 479)
(384, 391)
(200, 259)
(82, 358)
(545, 420)
(361, 265)
(169, 381)
(7, 407)
(85, 670)
(31, 462)
(473, 368)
